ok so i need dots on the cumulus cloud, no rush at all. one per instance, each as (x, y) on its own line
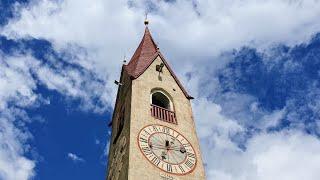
(16, 87)
(75, 158)
(285, 155)
(13, 163)
(288, 154)
(273, 102)
(233, 128)
(20, 77)
(210, 26)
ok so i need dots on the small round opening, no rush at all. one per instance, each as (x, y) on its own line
(161, 100)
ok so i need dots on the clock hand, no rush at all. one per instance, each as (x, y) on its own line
(174, 149)
(163, 155)
(167, 144)
(159, 148)
(157, 145)
(182, 150)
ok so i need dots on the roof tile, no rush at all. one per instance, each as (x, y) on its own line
(143, 55)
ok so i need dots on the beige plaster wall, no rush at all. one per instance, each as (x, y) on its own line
(139, 167)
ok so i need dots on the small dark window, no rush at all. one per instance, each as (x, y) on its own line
(161, 100)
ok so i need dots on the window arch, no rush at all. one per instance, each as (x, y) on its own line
(161, 98)
(162, 106)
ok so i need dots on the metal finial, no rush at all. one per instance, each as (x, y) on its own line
(146, 22)
(124, 59)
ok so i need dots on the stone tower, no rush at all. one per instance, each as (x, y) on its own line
(153, 130)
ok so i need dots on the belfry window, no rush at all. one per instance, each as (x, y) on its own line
(162, 107)
(160, 100)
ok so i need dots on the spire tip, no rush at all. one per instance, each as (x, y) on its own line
(146, 22)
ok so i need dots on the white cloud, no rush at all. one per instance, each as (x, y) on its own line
(75, 158)
(278, 156)
(20, 76)
(16, 86)
(107, 146)
(13, 164)
(285, 155)
(105, 30)
(97, 141)
(108, 29)
(272, 119)
(210, 120)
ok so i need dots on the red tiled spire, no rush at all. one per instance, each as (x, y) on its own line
(143, 56)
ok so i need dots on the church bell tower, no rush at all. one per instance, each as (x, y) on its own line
(153, 129)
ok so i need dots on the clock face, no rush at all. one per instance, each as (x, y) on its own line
(167, 149)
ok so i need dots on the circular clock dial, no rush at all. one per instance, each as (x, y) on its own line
(167, 149)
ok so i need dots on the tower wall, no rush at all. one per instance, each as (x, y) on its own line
(140, 116)
(119, 161)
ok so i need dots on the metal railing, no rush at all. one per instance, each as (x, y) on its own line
(163, 114)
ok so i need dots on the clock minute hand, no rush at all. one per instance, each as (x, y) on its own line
(182, 150)
(159, 148)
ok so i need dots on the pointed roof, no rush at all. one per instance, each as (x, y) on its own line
(143, 57)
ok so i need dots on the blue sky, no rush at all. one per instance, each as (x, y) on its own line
(63, 137)
(253, 68)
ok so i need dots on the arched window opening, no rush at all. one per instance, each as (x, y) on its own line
(160, 100)
(162, 107)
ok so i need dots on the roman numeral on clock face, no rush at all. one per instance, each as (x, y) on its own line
(191, 155)
(181, 169)
(186, 145)
(146, 150)
(155, 128)
(166, 130)
(143, 140)
(189, 164)
(155, 161)
(146, 132)
(169, 167)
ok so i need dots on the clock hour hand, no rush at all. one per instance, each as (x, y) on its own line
(182, 150)
(163, 155)
(167, 144)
